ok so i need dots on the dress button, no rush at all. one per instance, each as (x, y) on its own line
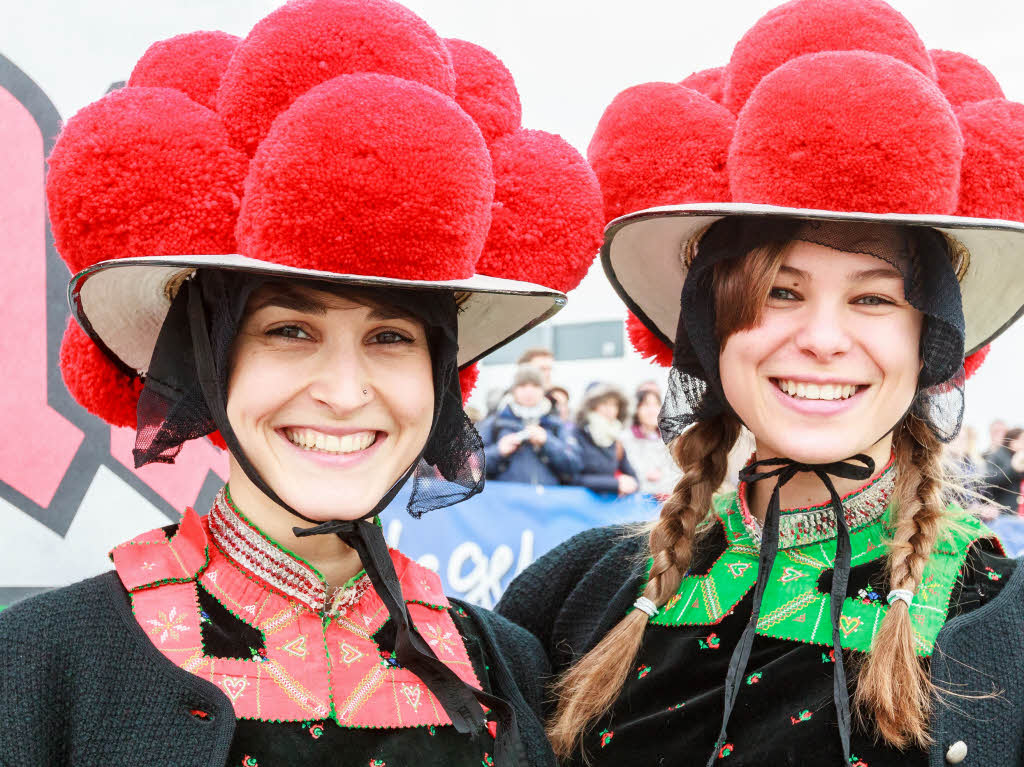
(957, 752)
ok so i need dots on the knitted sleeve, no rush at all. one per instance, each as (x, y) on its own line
(535, 598)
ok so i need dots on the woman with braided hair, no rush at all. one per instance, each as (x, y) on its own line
(839, 608)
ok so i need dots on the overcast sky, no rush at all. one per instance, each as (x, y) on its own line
(569, 58)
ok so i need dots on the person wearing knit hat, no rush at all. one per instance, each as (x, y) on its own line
(525, 440)
(821, 239)
(298, 245)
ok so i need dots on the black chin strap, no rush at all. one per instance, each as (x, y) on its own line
(459, 699)
(784, 469)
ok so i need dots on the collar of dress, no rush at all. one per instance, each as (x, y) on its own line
(320, 659)
(793, 607)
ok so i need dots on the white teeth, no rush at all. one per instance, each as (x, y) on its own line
(816, 391)
(310, 439)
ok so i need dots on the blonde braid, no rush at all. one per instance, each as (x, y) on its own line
(894, 687)
(588, 689)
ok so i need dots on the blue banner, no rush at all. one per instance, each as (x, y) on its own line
(479, 545)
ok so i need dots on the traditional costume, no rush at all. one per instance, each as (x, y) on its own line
(341, 142)
(831, 124)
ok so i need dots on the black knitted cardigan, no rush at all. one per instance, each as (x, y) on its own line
(82, 684)
(573, 595)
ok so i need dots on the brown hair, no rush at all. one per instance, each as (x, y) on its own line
(894, 689)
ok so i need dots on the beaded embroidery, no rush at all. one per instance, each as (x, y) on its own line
(793, 607)
(319, 663)
(798, 527)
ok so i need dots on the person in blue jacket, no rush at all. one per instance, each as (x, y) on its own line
(605, 467)
(525, 440)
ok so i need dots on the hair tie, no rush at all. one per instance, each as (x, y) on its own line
(646, 605)
(901, 595)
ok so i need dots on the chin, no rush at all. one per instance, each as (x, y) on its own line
(816, 448)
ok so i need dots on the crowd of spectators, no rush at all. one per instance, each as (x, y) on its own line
(532, 434)
(993, 476)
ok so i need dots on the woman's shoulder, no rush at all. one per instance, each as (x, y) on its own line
(45, 617)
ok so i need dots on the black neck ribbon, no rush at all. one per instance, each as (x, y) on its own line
(784, 469)
(460, 700)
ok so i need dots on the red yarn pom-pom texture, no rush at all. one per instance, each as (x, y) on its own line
(192, 63)
(798, 135)
(964, 80)
(707, 81)
(94, 381)
(812, 26)
(547, 221)
(468, 377)
(648, 345)
(992, 177)
(974, 361)
(141, 172)
(307, 42)
(370, 174)
(484, 88)
(661, 144)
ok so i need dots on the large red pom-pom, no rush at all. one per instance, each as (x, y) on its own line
(192, 63)
(963, 79)
(307, 42)
(468, 377)
(661, 144)
(141, 172)
(974, 361)
(885, 141)
(94, 381)
(992, 177)
(370, 174)
(648, 345)
(485, 89)
(812, 26)
(707, 81)
(547, 219)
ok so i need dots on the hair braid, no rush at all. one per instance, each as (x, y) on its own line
(894, 687)
(588, 689)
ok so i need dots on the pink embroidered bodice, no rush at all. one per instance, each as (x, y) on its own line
(318, 659)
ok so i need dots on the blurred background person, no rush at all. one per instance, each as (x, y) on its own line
(525, 441)
(1003, 471)
(541, 358)
(606, 468)
(656, 470)
(559, 397)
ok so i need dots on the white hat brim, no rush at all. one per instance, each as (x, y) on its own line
(122, 303)
(642, 257)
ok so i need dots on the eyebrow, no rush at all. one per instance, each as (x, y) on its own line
(297, 302)
(858, 276)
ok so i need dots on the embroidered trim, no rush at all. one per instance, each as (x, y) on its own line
(316, 665)
(793, 608)
(810, 524)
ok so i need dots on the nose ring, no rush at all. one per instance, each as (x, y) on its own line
(365, 392)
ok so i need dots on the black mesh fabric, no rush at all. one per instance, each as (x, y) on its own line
(173, 408)
(930, 284)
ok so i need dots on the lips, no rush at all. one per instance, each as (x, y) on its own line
(318, 441)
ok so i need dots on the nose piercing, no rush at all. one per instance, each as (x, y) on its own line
(365, 392)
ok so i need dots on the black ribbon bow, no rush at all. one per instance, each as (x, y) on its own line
(784, 469)
(459, 699)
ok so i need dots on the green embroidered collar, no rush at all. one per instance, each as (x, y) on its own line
(811, 524)
(793, 608)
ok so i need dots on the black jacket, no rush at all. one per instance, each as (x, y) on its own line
(573, 595)
(999, 481)
(555, 462)
(82, 684)
(601, 464)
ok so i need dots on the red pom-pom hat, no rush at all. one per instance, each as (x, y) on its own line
(379, 157)
(839, 116)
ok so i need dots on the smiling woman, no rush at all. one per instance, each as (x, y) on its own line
(816, 275)
(307, 263)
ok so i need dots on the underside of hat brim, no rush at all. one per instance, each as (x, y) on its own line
(642, 257)
(122, 303)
